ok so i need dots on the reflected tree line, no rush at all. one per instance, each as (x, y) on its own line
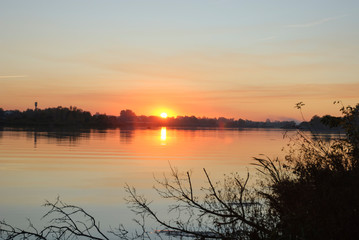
(78, 118)
(69, 136)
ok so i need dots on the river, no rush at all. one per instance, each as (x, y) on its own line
(90, 168)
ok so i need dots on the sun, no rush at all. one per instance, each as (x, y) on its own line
(163, 112)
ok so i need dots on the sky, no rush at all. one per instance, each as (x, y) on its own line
(238, 59)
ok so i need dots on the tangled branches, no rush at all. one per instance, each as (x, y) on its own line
(227, 210)
(66, 222)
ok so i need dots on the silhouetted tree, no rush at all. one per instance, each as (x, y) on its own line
(317, 197)
(127, 116)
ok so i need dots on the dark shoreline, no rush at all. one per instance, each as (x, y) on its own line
(74, 119)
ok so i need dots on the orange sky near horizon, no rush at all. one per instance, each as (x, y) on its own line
(233, 59)
(254, 103)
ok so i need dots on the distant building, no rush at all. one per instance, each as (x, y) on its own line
(35, 105)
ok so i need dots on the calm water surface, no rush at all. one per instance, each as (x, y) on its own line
(90, 169)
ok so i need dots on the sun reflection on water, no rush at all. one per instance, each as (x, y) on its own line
(163, 134)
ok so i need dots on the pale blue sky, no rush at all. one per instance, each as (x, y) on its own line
(213, 58)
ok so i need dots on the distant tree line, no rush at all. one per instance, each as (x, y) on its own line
(78, 118)
(55, 117)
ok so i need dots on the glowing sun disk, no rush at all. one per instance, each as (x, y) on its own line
(164, 115)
